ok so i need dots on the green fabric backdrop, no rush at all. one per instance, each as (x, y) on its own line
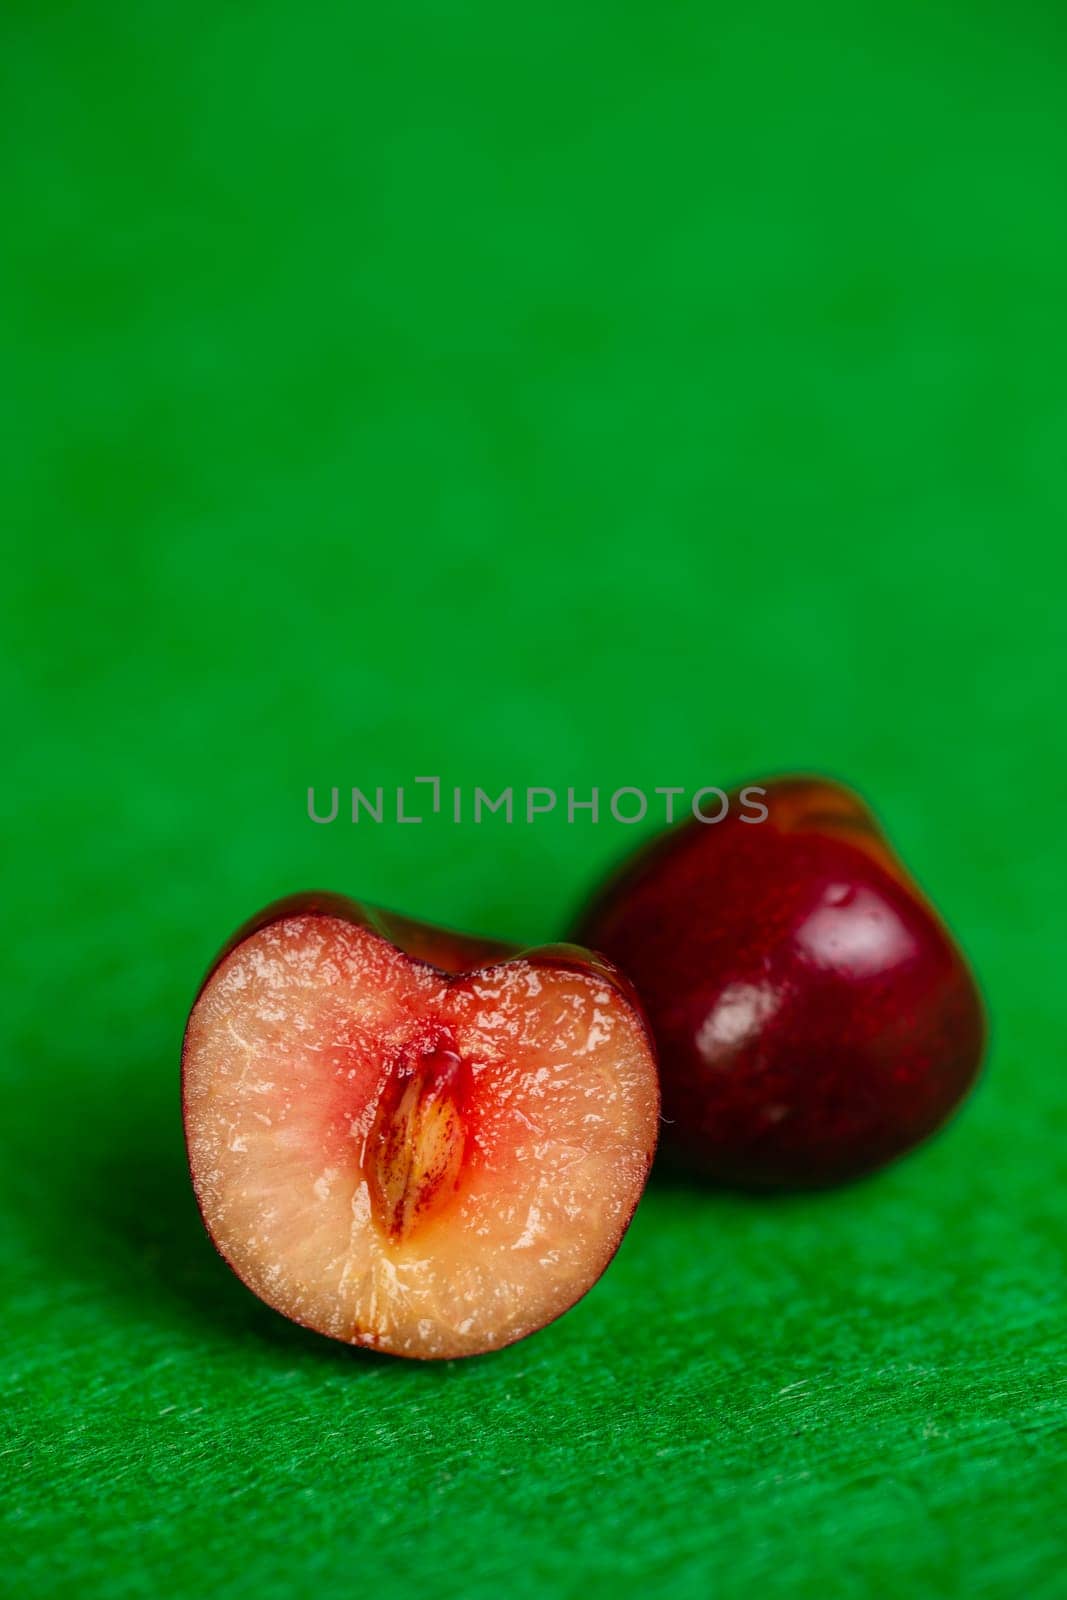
(569, 395)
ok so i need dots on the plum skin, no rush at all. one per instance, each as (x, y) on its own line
(814, 1017)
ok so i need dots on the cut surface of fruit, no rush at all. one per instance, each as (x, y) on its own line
(431, 1164)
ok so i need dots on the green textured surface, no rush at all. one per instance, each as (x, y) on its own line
(621, 394)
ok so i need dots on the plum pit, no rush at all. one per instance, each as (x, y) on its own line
(418, 1141)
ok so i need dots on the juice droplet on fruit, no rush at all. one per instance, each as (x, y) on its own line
(417, 1142)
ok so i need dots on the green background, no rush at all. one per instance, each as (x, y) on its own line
(615, 394)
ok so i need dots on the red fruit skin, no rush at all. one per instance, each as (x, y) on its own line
(437, 947)
(443, 948)
(814, 1017)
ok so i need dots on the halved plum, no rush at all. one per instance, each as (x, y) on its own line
(429, 1161)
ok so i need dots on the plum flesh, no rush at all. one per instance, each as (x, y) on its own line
(432, 1163)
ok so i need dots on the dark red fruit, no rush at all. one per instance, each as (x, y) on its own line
(409, 1139)
(814, 1017)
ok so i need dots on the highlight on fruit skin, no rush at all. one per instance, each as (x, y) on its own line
(814, 1017)
(409, 1139)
